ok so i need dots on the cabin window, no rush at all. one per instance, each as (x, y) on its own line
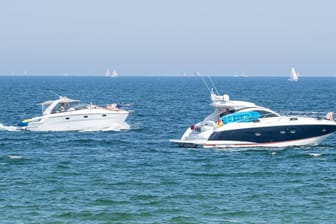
(86, 116)
(264, 114)
(257, 133)
(67, 118)
(104, 115)
(282, 132)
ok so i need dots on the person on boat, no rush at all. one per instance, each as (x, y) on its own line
(112, 107)
(91, 106)
(62, 107)
(330, 116)
(226, 112)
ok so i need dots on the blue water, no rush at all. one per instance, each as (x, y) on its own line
(137, 176)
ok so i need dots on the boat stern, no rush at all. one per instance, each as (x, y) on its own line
(196, 135)
(24, 123)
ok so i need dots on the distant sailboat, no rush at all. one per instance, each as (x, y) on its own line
(107, 73)
(112, 74)
(294, 76)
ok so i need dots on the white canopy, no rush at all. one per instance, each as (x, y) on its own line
(62, 99)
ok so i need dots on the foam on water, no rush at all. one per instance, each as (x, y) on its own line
(124, 127)
(8, 128)
(314, 154)
(15, 157)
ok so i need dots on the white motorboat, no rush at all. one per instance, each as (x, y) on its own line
(65, 114)
(244, 124)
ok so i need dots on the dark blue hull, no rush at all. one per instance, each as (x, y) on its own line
(274, 133)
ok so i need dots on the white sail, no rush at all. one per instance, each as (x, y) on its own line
(293, 75)
(112, 74)
(108, 73)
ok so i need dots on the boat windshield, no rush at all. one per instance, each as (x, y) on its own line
(79, 107)
(266, 114)
(63, 107)
(263, 112)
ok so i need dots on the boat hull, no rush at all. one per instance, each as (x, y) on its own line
(244, 124)
(82, 121)
(271, 134)
(233, 144)
(268, 136)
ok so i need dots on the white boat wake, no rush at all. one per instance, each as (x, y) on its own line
(17, 157)
(124, 127)
(8, 128)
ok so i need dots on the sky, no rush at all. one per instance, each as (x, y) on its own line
(156, 37)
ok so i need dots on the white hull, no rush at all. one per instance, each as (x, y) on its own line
(233, 144)
(79, 121)
(201, 138)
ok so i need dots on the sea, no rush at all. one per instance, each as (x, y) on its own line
(135, 175)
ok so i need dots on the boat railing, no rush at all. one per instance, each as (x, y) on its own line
(311, 114)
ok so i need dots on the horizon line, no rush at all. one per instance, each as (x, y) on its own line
(162, 75)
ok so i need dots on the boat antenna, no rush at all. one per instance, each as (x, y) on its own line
(204, 81)
(53, 92)
(212, 83)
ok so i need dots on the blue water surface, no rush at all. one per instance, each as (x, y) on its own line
(138, 176)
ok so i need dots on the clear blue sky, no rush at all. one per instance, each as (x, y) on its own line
(260, 37)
